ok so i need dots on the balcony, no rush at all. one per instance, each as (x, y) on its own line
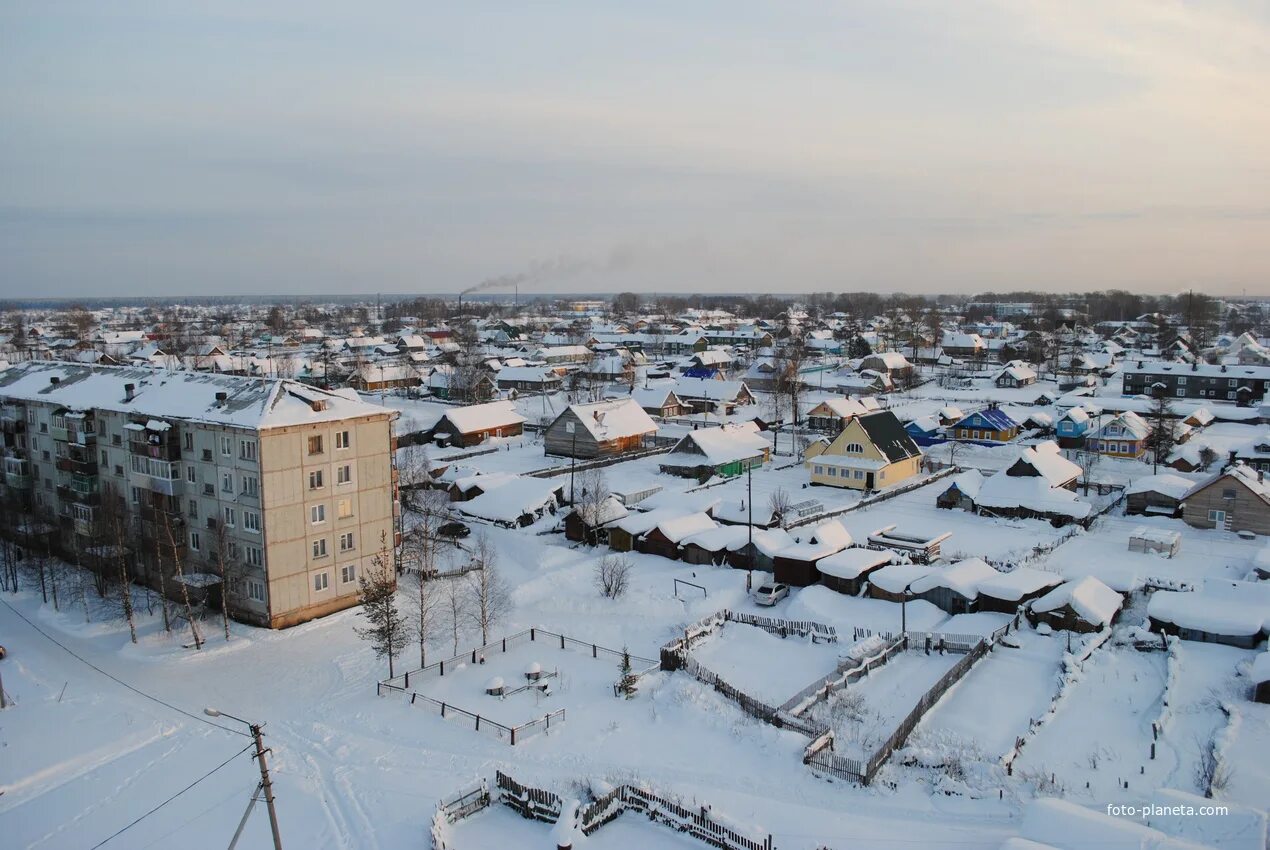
(78, 466)
(157, 476)
(162, 450)
(77, 495)
(12, 424)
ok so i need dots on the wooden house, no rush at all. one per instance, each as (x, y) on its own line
(872, 452)
(1235, 499)
(848, 571)
(1081, 605)
(599, 429)
(474, 424)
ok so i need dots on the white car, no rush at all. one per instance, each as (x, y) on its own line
(770, 594)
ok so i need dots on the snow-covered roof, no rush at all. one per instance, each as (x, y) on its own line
(1155, 535)
(708, 388)
(613, 420)
(1020, 582)
(969, 482)
(1219, 606)
(1166, 484)
(482, 417)
(675, 530)
(1092, 600)
(962, 578)
(248, 403)
(656, 396)
(720, 538)
(851, 563)
(1260, 671)
(1033, 493)
(512, 499)
(715, 446)
(894, 578)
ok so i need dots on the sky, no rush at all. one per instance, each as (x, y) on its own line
(172, 148)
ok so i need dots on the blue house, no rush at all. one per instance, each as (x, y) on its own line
(1072, 426)
(990, 425)
(708, 372)
(925, 431)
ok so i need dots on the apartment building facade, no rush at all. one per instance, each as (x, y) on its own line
(1237, 384)
(286, 490)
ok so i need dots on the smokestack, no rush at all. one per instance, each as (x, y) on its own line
(129, 392)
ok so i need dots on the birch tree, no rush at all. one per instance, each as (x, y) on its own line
(489, 600)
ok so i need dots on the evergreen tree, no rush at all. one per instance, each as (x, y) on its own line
(385, 628)
(626, 685)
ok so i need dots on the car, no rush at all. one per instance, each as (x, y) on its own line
(453, 529)
(770, 594)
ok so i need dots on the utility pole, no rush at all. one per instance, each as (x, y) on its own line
(749, 501)
(265, 782)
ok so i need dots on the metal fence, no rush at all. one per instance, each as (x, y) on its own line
(511, 734)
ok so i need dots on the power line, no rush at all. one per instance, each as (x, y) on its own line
(174, 796)
(119, 681)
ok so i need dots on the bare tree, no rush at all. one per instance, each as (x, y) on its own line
(590, 502)
(489, 599)
(118, 527)
(180, 579)
(425, 608)
(779, 503)
(613, 576)
(454, 603)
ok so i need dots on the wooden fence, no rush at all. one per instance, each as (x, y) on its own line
(818, 632)
(451, 811)
(543, 805)
(927, 701)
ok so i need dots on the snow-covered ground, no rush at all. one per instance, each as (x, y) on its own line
(764, 665)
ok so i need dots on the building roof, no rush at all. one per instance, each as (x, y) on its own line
(482, 417)
(1236, 472)
(963, 578)
(716, 446)
(1218, 606)
(886, 432)
(258, 403)
(1166, 484)
(994, 416)
(851, 563)
(614, 419)
(1092, 600)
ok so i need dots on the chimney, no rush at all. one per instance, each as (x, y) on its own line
(1223, 367)
(129, 392)
(1139, 364)
(221, 397)
(1195, 366)
(1232, 456)
(54, 381)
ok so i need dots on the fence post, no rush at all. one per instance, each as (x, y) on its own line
(412, 698)
(531, 633)
(478, 723)
(513, 736)
(379, 689)
(562, 641)
(443, 709)
(407, 680)
(593, 655)
(443, 668)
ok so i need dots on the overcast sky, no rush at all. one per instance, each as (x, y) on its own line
(315, 147)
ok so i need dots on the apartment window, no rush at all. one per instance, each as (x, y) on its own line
(346, 542)
(116, 439)
(348, 573)
(344, 474)
(226, 446)
(341, 439)
(188, 440)
(1232, 382)
(315, 480)
(1228, 395)
(229, 517)
(227, 482)
(1181, 380)
(255, 557)
(344, 509)
(251, 521)
(320, 582)
(315, 444)
(319, 547)
(317, 514)
(193, 509)
(136, 495)
(256, 590)
(105, 458)
(190, 474)
(118, 470)
(1181, 392)
(247, 449)
(196, 541)
(251, 486)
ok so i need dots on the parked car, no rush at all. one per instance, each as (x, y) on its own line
(770, 594)
(453, 529)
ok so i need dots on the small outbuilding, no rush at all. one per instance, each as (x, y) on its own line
(848, 571)
(1083, 605)
(1144, 539)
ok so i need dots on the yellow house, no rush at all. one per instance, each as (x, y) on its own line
(872, 452)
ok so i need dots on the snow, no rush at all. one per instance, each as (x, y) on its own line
(482, 417)
(613, 420)
(1236, 608)
(850, 563)
(764, 665)
(1020, 582)
(511, 499)
(1092, 600)
(1260, 671)
(962, 578)
(974, 712)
